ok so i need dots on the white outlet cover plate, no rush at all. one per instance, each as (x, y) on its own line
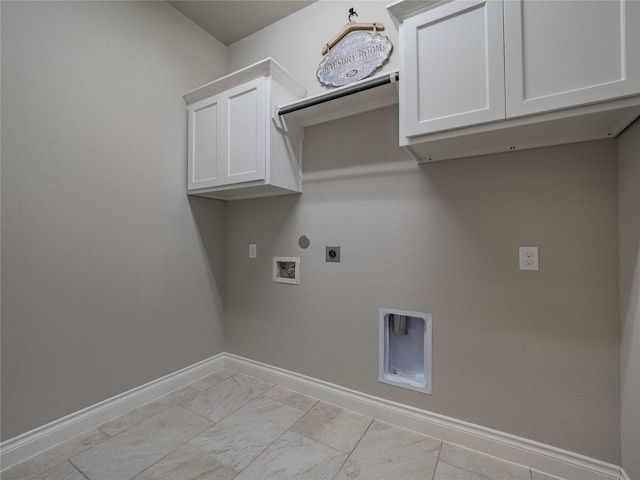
(529, 258)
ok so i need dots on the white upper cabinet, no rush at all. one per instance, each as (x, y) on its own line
(561, 54)
(235, 148)
(205, 143)
(488, 76)
(245, 132)
(452, 67)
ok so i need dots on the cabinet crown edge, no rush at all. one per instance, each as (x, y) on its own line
(403, 9)
(266, 67)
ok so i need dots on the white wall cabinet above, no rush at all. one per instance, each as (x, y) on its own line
(235, 149)
(565, 53)
(485, 76)
(452, 67)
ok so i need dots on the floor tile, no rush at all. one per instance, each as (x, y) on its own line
(187, 463)
(229, 426)
(64, 471)
(386, 451)
(449, 472)
(210, 380)
(227, 396)
(484, 465)
(54, 456)
(125, 455)
(140, 414)
(290, 397)
(535, 475)
(333, 426)
(242, 436)
(293, 457)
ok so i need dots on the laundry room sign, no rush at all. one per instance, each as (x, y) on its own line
(355, 53)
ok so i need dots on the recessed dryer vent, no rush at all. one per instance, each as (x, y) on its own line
(405, 349)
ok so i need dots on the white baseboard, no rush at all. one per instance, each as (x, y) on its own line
(623, 475)
(19, 448)
(538, 456)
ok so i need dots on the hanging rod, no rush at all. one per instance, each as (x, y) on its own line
(341, 92)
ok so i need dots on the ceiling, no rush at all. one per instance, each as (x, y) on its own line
(232, 20)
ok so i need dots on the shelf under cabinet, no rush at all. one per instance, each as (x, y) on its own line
(591, 122)
(372, 93)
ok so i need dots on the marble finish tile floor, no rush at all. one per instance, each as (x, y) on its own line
(229, 426)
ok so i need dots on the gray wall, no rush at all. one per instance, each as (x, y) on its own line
(312, 27)
(629, 182)
(534, 354)
(111, 277)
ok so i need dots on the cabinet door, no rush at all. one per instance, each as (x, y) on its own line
(245, 132)
(453, 67)
(561, 54)
(204, 144)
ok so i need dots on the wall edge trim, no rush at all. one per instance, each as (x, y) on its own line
(21, 447)
(535, 455)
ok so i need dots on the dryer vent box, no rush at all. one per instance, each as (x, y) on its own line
(405, 349)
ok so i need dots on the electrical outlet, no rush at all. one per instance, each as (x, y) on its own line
(253, 250)
(529, 258)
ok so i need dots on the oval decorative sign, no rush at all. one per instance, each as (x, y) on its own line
(355, 57)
